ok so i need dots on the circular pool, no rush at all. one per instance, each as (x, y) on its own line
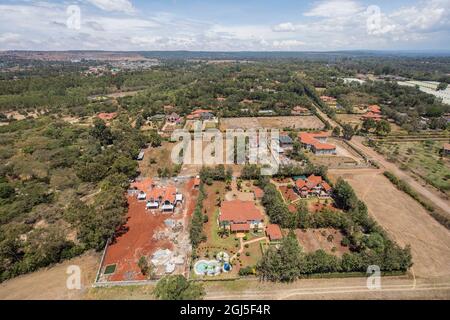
(204, 267)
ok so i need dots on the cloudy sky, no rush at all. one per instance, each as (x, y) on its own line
(228, 25)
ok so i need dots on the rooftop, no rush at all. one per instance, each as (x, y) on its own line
(239, 211)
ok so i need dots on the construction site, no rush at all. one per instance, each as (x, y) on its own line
(155, 235)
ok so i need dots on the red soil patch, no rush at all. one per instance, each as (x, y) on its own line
(289, 194)
(135, 241)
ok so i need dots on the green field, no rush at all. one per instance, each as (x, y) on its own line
(422, 158)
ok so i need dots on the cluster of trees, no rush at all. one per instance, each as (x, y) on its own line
(217, 173)
(367, 241)
(287, 262)
(47, 166)
(196, 233)
(177, 287)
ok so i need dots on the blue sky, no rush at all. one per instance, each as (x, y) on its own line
(228, 25)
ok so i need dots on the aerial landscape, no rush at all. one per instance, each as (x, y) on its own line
(192, 155)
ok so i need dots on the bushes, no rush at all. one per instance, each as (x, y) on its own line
(276, 209)
(217, 173)
(196, 227)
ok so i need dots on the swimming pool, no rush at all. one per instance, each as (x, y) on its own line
(204, 267)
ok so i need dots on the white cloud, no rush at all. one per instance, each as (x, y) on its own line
(335, 8)
(114, 5)
(288, 44)
(284, 27)
(9, 37)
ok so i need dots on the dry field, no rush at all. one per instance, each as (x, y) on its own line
(161, 157)
(50, 283)
(300, 122)
(314, 239)
(405, 220)
(355, 119)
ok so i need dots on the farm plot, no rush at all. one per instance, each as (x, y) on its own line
(294, 122)
(422, 158)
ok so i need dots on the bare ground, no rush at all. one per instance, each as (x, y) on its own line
(50, 283)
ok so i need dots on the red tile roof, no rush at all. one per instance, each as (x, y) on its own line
(259, 193)
(311, 139)
(311, 182)
(163, 193)
(239, 211)
(273, 231)
(107, 116)
(324, 146)
(142, 185)
(374, 108)
(447, 146)
(200, 111)
(236, 227)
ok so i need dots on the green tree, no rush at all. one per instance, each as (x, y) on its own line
(177, 287)
(348, 131)
(383, 128)
(336, 131)
(344, 195)
(369, 124)
(102, 132)
(282, 263)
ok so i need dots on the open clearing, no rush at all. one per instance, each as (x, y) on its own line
(295, 122)
(405, 220)
(327, 239)
(50, 283)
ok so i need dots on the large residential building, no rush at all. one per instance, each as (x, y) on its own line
(373, 112)
(316, 142)
(164, 198)
(240, 216)
(312, 186)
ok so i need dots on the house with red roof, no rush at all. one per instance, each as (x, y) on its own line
(446, 149)
(164, 198)
(373, 112)
(312, 186)
(240, 216)
(273, 232)
(200, 114)
(105, 116)
(299, 110)
(317, 143)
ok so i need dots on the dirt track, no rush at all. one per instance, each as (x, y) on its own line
(425, 191)
(406, 221)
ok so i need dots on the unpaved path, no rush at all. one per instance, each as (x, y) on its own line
(419, 188)
(317, 289)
